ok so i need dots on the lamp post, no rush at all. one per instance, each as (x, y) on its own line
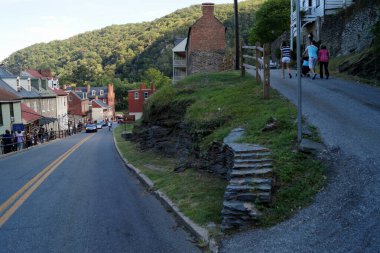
(237, 47)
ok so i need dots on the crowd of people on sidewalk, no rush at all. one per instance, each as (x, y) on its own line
(311, 57)
(17, 140)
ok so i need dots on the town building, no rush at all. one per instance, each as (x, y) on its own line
(204, 48)
(10, 110)
(105, 94)
(137, 98)
(100, 111)
(313, 13)
(179, 60)
(34, 94)
(78, 108)
(53, 82)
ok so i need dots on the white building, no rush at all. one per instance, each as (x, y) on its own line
(312, 12)
(179, 60)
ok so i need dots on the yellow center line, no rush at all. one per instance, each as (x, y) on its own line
(33, 184)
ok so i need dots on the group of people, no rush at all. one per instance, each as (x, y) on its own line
(18, 140)
(12, 141)
(311, 57)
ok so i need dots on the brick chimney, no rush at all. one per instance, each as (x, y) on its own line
(88, 88)
(208, 9)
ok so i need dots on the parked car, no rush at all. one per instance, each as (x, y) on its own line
(91, 128)
(104, 123)
(272, 64)
(99, 125)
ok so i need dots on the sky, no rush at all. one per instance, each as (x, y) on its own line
(26, 22)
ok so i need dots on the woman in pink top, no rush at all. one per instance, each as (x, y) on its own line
(323, 59)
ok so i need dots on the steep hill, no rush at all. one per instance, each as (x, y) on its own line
(124, 51)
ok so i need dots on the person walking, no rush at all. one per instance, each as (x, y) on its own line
(323, 59)
(312, 52)
(20, 140)
(7, 142)
(109, 125)
(285, 58)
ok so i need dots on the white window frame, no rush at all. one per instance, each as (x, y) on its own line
(136, 95)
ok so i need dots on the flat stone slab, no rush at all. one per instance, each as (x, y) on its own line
(235, 134)
(309, 146)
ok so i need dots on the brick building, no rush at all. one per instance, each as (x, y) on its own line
(136, 99)
(205, 48)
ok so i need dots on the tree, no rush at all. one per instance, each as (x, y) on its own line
(155, 76)
(272, 19)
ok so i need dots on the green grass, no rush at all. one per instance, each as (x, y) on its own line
(198, 195)
(212, 105)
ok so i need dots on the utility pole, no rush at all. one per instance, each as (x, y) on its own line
(237, 46)
(299, 89)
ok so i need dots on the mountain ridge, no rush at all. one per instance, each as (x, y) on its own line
(124, 50)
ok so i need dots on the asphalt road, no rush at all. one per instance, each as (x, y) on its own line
(88, 203)
(345, 215)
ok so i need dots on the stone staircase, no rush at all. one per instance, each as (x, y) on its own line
(250, 182)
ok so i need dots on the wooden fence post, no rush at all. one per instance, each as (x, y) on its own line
(266, 84)
(257, 61)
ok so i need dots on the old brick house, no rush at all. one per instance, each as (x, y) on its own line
(136, 99)
(204, 48)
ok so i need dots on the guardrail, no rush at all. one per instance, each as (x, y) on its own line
(260, 58)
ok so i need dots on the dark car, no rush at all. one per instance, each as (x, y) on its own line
(91, 128)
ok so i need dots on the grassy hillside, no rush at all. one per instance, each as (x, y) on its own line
(124, 51)
(212, 105)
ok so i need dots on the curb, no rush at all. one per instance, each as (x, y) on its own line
(195, 230)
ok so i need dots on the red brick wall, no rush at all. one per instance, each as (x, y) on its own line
(208, 33)
(111, 98)
(136, 105)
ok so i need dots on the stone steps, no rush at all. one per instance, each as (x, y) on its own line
(250, 182)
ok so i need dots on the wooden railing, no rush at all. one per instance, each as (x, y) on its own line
(259, 56)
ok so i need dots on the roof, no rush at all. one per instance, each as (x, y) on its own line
(28, 114)
(22, 93)
(59, 92)
(34, 73)
(79, 95)
(181, 47)
(5, 73)
(99, 102)
(6, 96)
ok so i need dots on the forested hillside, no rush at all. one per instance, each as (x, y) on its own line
(125, 51)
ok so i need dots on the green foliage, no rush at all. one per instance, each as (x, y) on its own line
(155, 76)
(272, 19)
(211, 105)
(124, 51)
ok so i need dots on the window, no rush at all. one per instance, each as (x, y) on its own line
(136, 95)
(101, 92)
(146, 95)
(12, 112)
(93, 92)
(70, 98)
(318, 3)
